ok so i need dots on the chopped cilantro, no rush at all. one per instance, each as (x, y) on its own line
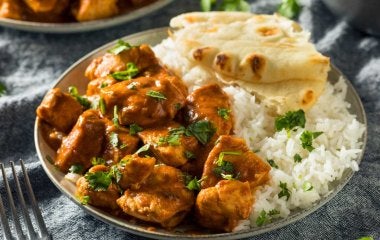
(119, 47)
(272, 163)
(114, 139)
(194, 184)
(224, 113)
(127, 74)
(97, 161)
(3, 89)
(306, 186)
(307, 138)
(156, 94)
(297, 158)
(289, 8)
(222, 154)
(84, 200)
(98, 181)
(262, 218)
(124, 161)
(82, 100)
(103, 85)
(134, 129)
(225, 5)
(115, 173)
(76, 168)
(290, 120)
(285, 192)
(273, 212)
(102, 106)
(189, 155)
(223, 168)
(122, 146)
(366, 238)
(202, 130)
(115, 118)
(143, 148)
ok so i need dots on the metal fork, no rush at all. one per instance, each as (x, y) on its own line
(31, 233)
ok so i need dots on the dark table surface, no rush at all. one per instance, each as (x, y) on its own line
(30, 63)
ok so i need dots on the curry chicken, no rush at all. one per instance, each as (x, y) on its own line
(141, 144)
(66, 10)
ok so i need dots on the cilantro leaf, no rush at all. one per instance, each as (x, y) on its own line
(76, 168)
(273, 212)
(189, 155)
(224, 113)
(194, 184)
(272, 163)
(366, 238)
(306, 186)
(134, 129)
(290, 120)
(84, 200)
(262, 218)
(73, 91)
(202, 130)
(297, 158)
(102, 106)
(127, 74)
(307, 138)
(223, 168)
(115, 118)
(115, 173)
(285, 192)
(143, 148)
(97, 161)
(98, 181)
(225, 5)
(289, 8)
(155, 94)
(119, 47)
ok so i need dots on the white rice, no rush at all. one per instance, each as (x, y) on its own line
(335, 150)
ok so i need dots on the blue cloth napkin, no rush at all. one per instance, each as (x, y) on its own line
(30, 63)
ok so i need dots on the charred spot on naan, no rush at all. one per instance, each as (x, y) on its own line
(225, 63)
(204, 54)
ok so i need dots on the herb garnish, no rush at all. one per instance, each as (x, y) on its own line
(172, 140)
(289, 8)
(98, 181)
(224, 113)
(272, 163)
(134, 129)
(290, 120)
(202, 130)
(225, 5)
(156, 94)
(102, 106)
(226, 169)
(82, 100)
(307, 138)
(119, 47)
(143, 148)
(97, 161)
(265, 217)
(115, 118)
(3, 89)
(115, 173)
(306, 186)
(177, 106)
(366, 238)
(194, 184)
(76, 168)
(297, 158)
(114, 139)
(84, 200)
(189, 155)
(285, 192)
(103, 85)
(127, 74)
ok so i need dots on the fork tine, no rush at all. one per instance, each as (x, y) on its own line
(12, 205)
(32, 198)
(4, 221)
(31, 232)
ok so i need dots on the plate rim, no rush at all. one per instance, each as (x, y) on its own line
(75, 27)
(138, 230)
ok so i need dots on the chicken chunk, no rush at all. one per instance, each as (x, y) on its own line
(163, 198)
(222, 206)
(210, 103)
(47, 6)
(83, 142)
(231, 158)
(60, 110)
(142, 56)
(87, 10)
(94, 86)
(145, 101)
(52, 137)
(134, 170)
(11, 9)
(97, 189)
(169, 144)
(118, 142)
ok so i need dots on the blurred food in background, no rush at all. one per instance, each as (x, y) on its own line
(67, 10)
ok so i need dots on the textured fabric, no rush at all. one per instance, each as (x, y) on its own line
(30, 63)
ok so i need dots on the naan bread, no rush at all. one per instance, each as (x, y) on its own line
(268, 55)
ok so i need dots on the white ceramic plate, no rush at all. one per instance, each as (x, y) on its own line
(83, 26)
(74, 76)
